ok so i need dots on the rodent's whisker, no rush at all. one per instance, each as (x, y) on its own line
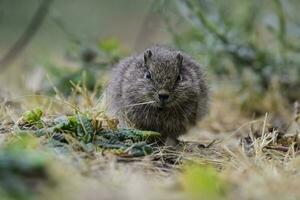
(181, 109)
(137, 104)
(152, 87)
(137, 99)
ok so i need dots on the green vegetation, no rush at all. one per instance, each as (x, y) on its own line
(203, 182)
(57, 143)
(89, 132)
(253, 43)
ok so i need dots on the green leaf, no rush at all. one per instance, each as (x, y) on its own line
(109, 45)
(202, 182)
(33, 117)
(85, 130)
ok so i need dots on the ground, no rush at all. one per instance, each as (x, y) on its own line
(228, 155)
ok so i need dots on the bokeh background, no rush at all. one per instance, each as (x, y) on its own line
(88, 22)
(253, 45)
(246, 146)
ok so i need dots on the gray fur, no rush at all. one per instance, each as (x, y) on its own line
(129, 87)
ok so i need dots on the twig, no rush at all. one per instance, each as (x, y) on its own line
(296, 111)
(61, 25)
(27, 35)
(282, 28)
(230, 47)
(211, 27)
(282, 21)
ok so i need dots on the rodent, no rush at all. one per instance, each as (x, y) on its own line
(161, 89)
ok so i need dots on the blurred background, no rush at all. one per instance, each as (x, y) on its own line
(249, 47)
(73, 27)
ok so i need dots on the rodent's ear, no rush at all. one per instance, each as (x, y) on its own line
(179, 58)
(147, 55)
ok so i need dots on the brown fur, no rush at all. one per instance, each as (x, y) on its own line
(130, 87)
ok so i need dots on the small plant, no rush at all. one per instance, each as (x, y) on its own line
(91, 133)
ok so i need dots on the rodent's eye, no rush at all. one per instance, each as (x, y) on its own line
(147, 75)
(179, 78)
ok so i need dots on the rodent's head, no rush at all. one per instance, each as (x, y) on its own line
(161, 79)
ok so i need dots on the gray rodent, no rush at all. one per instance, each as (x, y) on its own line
(161, 90)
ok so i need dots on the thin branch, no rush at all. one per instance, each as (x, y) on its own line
(30, 31)
(282, 22)
(62, 26)
(231, 48)
(282, 28)
(211, 27)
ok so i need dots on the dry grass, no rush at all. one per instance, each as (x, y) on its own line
(261, 166)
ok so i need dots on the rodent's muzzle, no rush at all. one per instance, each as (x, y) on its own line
(163, 97)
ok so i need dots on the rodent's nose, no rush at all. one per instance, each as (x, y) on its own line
(163, 96)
